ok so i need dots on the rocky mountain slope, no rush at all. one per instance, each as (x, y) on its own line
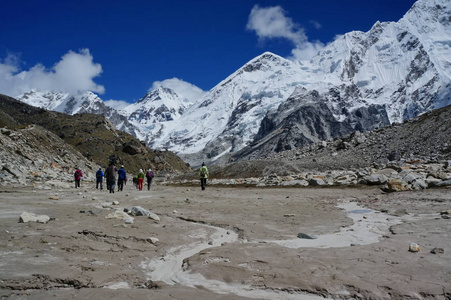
(91, 135)
(425, 139)
(361, 81)
(33, 154)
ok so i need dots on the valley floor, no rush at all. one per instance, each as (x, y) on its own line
(225, 243)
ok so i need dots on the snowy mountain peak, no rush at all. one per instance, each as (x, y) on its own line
(159, 105)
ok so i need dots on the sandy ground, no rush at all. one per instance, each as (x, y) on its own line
(225, 243)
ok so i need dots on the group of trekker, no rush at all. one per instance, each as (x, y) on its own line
(110, 176)
(138, 180)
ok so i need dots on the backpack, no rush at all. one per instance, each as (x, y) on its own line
(99, 174)
(77, 175)
(149, 174)
(122, 174)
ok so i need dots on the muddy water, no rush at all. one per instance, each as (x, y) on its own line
(368, 227)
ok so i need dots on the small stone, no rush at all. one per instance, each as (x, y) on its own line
(306, 236)
(153, 240)
(53, 198)
(115, 202)
(289, 215)
(400, 212)
(95, 212)
(438, 251)
(414, 247)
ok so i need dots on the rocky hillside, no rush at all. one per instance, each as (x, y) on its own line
(32, 154)
(91, 135)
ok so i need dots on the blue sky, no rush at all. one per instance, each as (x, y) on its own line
(119, 49)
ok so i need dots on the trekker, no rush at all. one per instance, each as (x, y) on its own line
(77, 176)
(99, 178)
(110, 175)
(149, 176)
(135, 181)
(140, 179)
(203, 174)
(122, 176)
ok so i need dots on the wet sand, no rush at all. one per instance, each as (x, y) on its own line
(225, 243)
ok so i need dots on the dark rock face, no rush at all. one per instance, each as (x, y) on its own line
(295, 124)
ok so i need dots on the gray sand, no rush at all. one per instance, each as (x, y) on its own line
(226, 243)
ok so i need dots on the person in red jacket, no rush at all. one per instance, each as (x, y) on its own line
(77, 176)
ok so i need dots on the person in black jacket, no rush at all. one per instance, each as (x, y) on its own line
(110, 175)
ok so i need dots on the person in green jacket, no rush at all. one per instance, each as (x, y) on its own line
(203, 174)
(140, 179)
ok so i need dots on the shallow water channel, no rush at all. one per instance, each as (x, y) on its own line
(368, 227)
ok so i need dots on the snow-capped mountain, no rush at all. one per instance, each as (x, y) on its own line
(361, 81)
(87, 102)
(393, 72)
(232, 110)
(159, 105)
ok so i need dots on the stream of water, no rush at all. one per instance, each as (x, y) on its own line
(368, 227)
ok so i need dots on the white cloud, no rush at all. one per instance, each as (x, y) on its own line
(73, 73)
(316, 24)
(306, 51)
(117, 104)
(272, 22)
(185, 89)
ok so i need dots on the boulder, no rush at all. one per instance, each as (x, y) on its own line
(440, 183)
(396, 185)
(316, 182)
(419, 184)
(26, 217)
(294, 183)
(375, 179)
(139, 211)
(119, 215)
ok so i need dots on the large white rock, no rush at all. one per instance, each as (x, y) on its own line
(26, 217)
(119, 215)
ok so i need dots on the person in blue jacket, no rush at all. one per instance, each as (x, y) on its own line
(99, 178)
(121, 178)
